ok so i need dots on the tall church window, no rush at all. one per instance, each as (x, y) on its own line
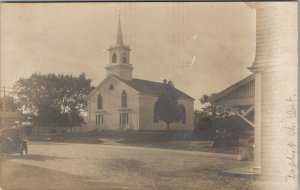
(99, 102)
(124, 99)
(114, 58)
(124, 58)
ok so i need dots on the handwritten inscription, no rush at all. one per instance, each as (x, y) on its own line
(291, 129)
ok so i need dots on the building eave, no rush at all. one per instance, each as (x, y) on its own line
(107, 78)
(231, 88)
(153, 95)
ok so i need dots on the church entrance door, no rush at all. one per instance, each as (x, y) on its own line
(100, 121)
(124, 121)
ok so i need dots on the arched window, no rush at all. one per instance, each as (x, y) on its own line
(124, 99)
(124, 58)
(114, 58)
(99, 102)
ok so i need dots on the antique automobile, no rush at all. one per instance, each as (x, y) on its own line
(14, 139)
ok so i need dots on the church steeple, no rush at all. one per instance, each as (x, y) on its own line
(119, 62)
(119, 35)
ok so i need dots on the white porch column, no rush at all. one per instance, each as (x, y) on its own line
(257, 69)
(257, 122)
(275, 68)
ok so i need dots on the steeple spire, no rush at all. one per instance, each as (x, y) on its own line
(119, 53)
(119, 35)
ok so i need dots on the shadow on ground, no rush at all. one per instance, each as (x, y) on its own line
(32, 157)
(16, 177)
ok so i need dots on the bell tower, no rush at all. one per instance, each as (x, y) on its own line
(119, 58)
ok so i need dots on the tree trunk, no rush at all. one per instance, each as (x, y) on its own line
(168, 126)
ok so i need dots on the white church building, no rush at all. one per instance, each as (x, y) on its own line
(121, 102)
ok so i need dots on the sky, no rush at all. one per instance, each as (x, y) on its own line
(202, 47)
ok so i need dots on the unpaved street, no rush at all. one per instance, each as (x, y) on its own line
(87, 166)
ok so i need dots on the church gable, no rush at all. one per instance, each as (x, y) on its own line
(113, 105)
(109, 94)
(110, 83)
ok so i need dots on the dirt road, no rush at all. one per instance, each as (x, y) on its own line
(88, 167)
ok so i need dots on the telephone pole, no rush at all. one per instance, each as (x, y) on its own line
(4, 106)
(3, 94)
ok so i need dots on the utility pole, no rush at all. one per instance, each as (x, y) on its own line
(4, 94)
(4, 106)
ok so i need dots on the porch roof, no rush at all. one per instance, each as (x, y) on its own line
(238, 94)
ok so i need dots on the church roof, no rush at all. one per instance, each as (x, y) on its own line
(152, 88)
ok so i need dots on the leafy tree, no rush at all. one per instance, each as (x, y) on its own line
(214, 109)
(53, 99)
(223, 120)
(167, 108)
(212, 113)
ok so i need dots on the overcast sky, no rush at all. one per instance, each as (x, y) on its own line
(201, 47)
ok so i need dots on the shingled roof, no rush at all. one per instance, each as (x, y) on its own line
(152, 88)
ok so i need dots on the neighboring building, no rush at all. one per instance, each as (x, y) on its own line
(121, 102)
(241, 96)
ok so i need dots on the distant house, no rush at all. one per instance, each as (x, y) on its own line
(121, 102)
